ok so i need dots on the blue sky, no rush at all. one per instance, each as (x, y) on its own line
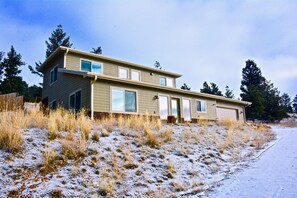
(203, 40)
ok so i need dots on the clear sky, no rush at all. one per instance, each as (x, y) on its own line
(203, 40)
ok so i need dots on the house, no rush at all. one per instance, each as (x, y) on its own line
(105, 85)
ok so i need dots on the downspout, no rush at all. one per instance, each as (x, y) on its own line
(64, 66)
(92, 97)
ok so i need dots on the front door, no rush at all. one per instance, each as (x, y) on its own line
(175, 108)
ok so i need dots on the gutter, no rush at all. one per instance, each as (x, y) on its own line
(92, 97)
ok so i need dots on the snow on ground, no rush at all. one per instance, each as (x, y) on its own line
(195, 160)
(273, 174)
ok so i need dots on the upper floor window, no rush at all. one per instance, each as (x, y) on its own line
(91, 66)
(201, 106)
(53, 75)
(123, 73)
(166, 81)
(135, 75)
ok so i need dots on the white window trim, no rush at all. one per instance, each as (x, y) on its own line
(168, 104)
(51, 83)
(124, 89)
(72, 94)
(190, 108)
(83, 59)
(132, 70)
(197, 106)
(123, 68)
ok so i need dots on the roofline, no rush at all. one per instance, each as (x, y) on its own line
(115, 79)
(62, 48)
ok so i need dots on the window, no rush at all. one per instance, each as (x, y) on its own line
(53, 104)
(123, 73)
(53, 75)
(166, 81)
(75, 101)
(135, 75)
(162, 81)
(91, 66)
(187, 109)
(163, 107)
(123, 100)
(201, 105)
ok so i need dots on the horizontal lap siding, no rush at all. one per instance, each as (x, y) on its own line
(111, 69)
(65, 85)
(240, 108)
(146, 103)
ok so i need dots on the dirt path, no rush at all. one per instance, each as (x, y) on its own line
(273, 174)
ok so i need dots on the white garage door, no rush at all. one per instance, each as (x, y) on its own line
(224, 113)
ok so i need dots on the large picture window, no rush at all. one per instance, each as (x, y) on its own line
(91, 66)
(123, 100)
(201, 106)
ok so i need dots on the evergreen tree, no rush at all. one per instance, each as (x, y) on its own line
(12, 81)
(215, 89)
(212, 89)
(57, 38)
(96, 50)
(206, 88)
(265, 98)
(294, 104)
(157, 65)
(185, 87)
(286, 103)
(229, 93)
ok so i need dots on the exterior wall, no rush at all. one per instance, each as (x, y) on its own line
(65, 85)
(112, 69)
(146, 103)
(240, 108)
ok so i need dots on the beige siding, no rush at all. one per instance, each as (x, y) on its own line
(111, 69)
(65, 85)
(238, 107)
(146, 103)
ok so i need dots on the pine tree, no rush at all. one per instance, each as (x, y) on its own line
(157, 65)
(215, 89)
(185, 87)
(12, 81)
(96, 50)
(206, 88)
(294, 104)
(229, 93)
(286, 103)
(212, 89)
(58, 38)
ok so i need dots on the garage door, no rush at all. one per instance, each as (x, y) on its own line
(224, 113)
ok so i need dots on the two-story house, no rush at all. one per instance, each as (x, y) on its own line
(104, 85)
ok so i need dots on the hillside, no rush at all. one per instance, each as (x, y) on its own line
(62, 155)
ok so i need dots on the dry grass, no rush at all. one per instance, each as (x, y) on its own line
(106, 186)
(151, 138)
(11, 124)
(50, 162)
(96, 136)
(228, 122)
(167, 134)
(159, 124)
(74, 150)
(186, 134)
(170, 167)
(85, 125)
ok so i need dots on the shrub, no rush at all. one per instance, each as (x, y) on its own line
(167, 134)
(74, 150)
(96, 136)
(151, 137)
